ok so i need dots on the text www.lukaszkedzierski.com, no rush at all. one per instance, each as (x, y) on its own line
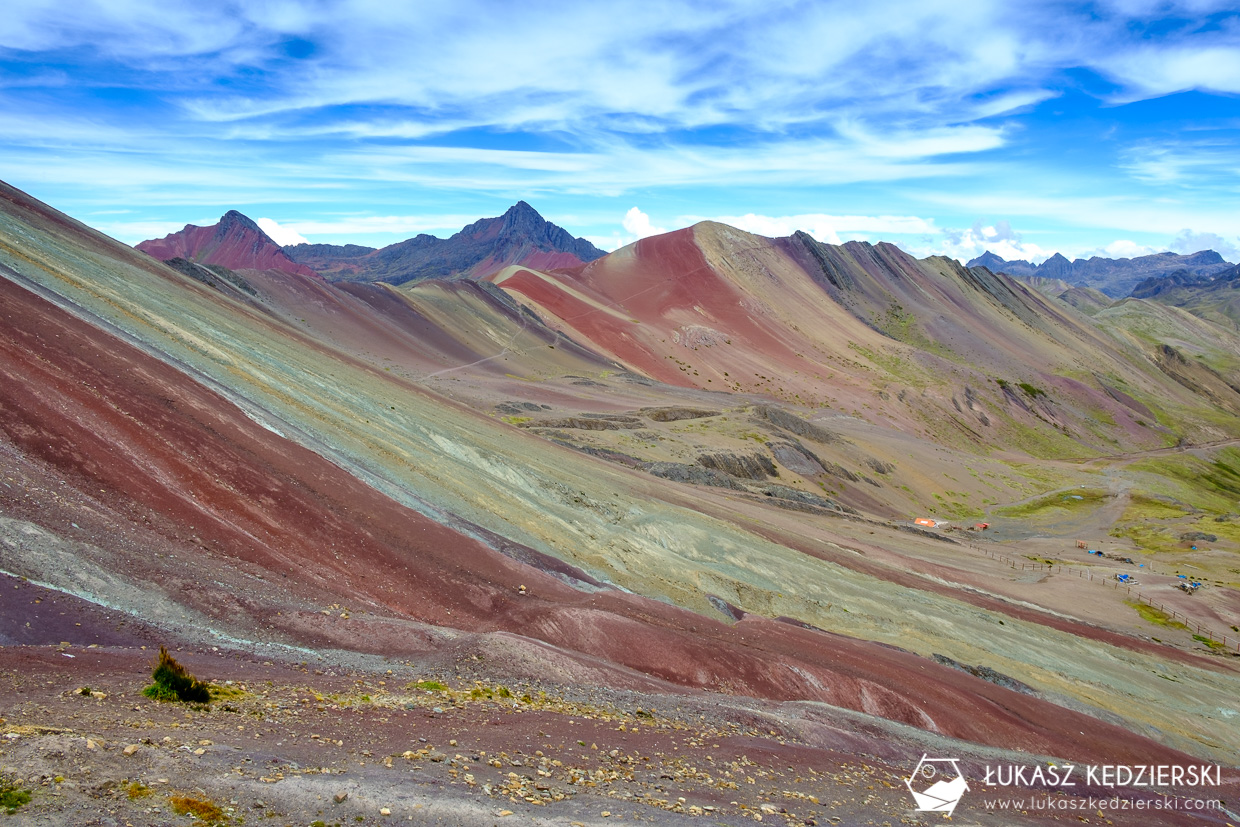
(1101, 804)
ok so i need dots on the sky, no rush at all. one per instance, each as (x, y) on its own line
(946, 127)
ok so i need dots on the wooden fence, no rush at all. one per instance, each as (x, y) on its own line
(1232, 642)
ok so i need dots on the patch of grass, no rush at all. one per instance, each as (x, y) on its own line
(429, 686)
(223, 692)
(517, 420)
(201, 809)
(12, 797)
(1057, 504)
(1210, 642)
(1212, 486)
(1142, 507)
(172, 683)
(1156, 616)
(956, 510)
(1031, 390)
(137, 790)
(1152, 538)
(1145, 522)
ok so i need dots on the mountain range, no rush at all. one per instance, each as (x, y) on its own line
(1114, 277)
(519, 236)
(681, 476)
(1213, 297)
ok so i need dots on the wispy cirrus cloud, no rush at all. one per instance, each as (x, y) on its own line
(386, 109)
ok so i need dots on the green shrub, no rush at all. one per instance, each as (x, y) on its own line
(12, 797)
(172, 683)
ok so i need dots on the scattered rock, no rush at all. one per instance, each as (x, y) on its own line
(341, 797)
(131, 749)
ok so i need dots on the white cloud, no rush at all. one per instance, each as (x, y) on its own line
(1156, 70)
(283, 236)
(970, 243)
(1123, 248)
(1187, 241)
(638, 225)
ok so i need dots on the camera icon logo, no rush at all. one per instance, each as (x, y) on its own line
(937, 784)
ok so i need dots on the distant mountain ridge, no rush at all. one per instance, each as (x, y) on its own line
(1215, 297)
(519, 236)
(236, 242)
(1085, 299)
(1116, 277)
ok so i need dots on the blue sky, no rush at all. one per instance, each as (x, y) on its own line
(1108, 128)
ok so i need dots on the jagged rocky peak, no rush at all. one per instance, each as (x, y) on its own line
(232, 219)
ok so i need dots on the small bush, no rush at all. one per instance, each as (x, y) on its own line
(173, 683)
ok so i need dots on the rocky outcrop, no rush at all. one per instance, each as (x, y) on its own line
(213, 275)
(696, 474)
(797, 459)
(987, 674)
(584, 423)
(676, 414)
(745, 466)
(794, 424)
